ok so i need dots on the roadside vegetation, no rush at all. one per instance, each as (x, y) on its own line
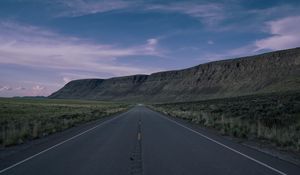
(273, 118)
(27, 119)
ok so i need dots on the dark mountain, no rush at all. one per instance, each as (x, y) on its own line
(270, 72)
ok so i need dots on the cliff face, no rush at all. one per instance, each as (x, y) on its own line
(270, 72)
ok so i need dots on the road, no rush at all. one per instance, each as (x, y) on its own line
(141, 141)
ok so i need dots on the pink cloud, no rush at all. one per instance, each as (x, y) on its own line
(32, 46)
(285, 34)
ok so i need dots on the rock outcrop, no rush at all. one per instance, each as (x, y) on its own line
(270, 72)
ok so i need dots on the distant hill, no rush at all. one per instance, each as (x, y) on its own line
(277, 71)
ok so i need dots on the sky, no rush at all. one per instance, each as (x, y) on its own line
(44, 44)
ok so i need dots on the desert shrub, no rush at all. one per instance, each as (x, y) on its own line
(22, 120)
(272, 117)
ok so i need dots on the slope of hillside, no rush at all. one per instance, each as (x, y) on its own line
(270, 72)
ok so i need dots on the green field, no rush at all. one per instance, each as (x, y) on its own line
(271, 118)
(26, 119)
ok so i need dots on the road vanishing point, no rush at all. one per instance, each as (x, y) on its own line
(141, 141)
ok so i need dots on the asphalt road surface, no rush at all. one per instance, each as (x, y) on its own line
(141, 141)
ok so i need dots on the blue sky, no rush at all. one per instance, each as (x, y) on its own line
(46, 43)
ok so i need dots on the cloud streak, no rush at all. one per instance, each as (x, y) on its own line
(5, 88)
(209, 13)
(31, 46)
(75, 8)
(9, 88)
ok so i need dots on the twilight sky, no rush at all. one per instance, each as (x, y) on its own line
(46, 43)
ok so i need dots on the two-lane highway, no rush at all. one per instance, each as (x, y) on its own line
(142, 141)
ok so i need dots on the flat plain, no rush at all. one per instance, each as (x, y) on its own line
(270, 118)
(23, 119)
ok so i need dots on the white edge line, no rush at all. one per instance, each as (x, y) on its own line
(225, 146)
(54, 146)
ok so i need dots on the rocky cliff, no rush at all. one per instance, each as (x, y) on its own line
(270, 72)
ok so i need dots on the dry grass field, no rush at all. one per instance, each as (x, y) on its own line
(272, 118)
(26, 119)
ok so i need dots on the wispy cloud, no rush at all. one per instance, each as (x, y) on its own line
(151, 45)
(20, 88)
(5, 88)
(231, 53)
(273, 11)
(74, 8)
(38, 90)
(210, 42)
(209, 13)
(32, 46)
(285, 33)
(9, 88)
